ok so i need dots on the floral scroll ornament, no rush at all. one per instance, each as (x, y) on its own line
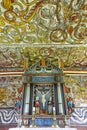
(44, 21)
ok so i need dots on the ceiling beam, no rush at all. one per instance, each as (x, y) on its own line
(21, 73)
(75, 71)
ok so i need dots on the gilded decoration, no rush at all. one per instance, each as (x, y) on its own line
(43, 22)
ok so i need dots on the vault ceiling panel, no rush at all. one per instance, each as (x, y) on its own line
(43, 22)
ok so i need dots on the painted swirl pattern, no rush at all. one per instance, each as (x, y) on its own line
(43, 22)
(79, 117)
(8, 116)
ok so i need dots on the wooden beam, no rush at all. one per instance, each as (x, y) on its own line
(75, 72)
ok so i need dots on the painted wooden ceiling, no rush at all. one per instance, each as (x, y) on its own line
(55, 29)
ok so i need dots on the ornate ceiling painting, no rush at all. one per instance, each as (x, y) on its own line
(43, 22)
(66, 57)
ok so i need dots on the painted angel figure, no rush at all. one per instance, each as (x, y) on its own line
(43, 97)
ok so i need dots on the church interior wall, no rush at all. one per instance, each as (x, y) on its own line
(55, 30)
(10, 89)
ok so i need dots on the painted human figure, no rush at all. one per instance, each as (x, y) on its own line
(70, 105)
(43, 97)
(18, 104)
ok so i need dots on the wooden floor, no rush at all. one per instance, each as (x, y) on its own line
(78, 127)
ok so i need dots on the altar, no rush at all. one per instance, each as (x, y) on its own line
(43, 95)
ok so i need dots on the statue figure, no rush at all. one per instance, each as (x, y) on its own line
(70, 105)
(50, 106)
(37, 105)
(43, 97)
(18, 104)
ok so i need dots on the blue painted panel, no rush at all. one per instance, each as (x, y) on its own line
(43, 122)
(43, 79)
(61, 79)
(24, 79)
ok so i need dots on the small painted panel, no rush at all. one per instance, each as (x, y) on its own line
(43, 79)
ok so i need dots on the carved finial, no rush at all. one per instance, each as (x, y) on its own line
(25, 63)
(43, 61)
(61, 63)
